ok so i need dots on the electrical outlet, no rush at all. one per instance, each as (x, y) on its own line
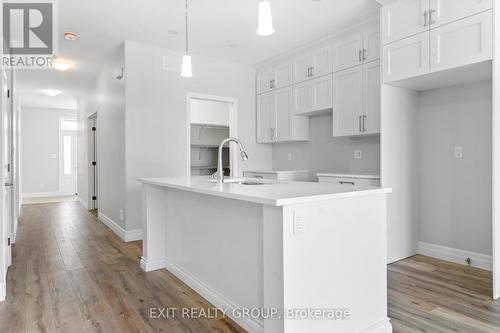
(122, 215)
(358, 154)
(299, 224)
(290, 156)
(458, 152)
(42, 186)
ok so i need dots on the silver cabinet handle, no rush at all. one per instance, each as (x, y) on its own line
(425, 18)
(360, 56)
(8, 184)
(364, 123)
(312, 71)
(364, 54)
(272, 84)
(431, 11)
(359, 123)
(259, 177)
(343, 183)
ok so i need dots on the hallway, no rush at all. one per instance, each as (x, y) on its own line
(70, 273)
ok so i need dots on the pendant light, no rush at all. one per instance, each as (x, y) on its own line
(187, 68)
(265, 27)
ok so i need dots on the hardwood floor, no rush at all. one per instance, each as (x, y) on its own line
(70, 273)
(430, 295)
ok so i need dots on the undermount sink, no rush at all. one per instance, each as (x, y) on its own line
(246, 181)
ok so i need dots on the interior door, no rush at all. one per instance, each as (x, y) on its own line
(265, 115)
(283, 107)
(463, 42)
(7, 117)
(347, 101)
(347, 52)
(371, 98)
(446, 11)
(404, 18)
(68, 162)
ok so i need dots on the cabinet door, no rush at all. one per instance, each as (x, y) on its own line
(321, 61)
(347, 52)
(371, 44)
(348, 101)
(302, 98)
(406, 58)
(266, 117)
(371, 98)
(462, 42)
(264, 81)
(283, 107)
(321, 93)
(446, 11)
(301, 66)
(404, 18)
(283, 75)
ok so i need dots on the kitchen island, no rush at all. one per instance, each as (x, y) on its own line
(274, 256)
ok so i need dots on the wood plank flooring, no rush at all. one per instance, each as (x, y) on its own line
(71, 273)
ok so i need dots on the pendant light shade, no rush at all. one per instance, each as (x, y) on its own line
(187, 66)
(265, 27)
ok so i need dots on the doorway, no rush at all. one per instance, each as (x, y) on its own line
(67, 152)
(93, 165)
(210, 119)
(7, 137)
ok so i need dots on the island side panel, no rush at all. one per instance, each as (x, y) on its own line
(214, 245)
(334, 257)
(153, 226)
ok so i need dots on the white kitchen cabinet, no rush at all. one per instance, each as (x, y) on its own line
(275, 122)
(446, 11)
(356, 49)
(349, 179)
(462, 42)
(294, 176)
(312, 96)
(348, 101)
(266, 117)
(404, 18)
(406, 58)
(356, 100)
(275, 77)
(371, 98)
(313, 64)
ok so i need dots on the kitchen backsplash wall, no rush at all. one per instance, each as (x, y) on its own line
(323, 153)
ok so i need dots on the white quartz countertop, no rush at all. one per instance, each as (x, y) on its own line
(348, 175)
(276, 194)
(275, 172)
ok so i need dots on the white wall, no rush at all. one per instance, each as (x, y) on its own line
(40, 149)
(455, 194)
(209, 112)
(106, 96)
(156, 140)
(323, 153)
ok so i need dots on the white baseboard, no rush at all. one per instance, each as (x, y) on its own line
(383, 326)
(152, 265)
(125, 235)
(455, 255)
(12, 237)
(83, 202)
(43, 195)
(3, 291)
(216, 299)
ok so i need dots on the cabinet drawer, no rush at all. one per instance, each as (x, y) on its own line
(260, 175)
(350, 181)
(406, 58)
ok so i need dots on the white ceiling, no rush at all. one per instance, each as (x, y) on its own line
(214, 24)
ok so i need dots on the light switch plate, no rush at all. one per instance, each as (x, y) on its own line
(290, 156)
(459, 152)
(358, 154)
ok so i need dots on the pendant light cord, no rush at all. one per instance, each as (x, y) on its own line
(187, 48)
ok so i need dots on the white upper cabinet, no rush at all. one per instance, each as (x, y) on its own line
(321, 93)
(446, 11)
(371, 44)
(275, 77)
(302, 94)
(348, 52)
(266, 117)
(371, 98)
(404, 18)
(312, 64)
(348, 101)
(462, 42)
(282, 130)
(406, 58)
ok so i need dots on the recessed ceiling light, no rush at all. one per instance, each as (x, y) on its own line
(61, 65)
(69, 35)
(51, 92)
(233, 46)
(173, 32)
